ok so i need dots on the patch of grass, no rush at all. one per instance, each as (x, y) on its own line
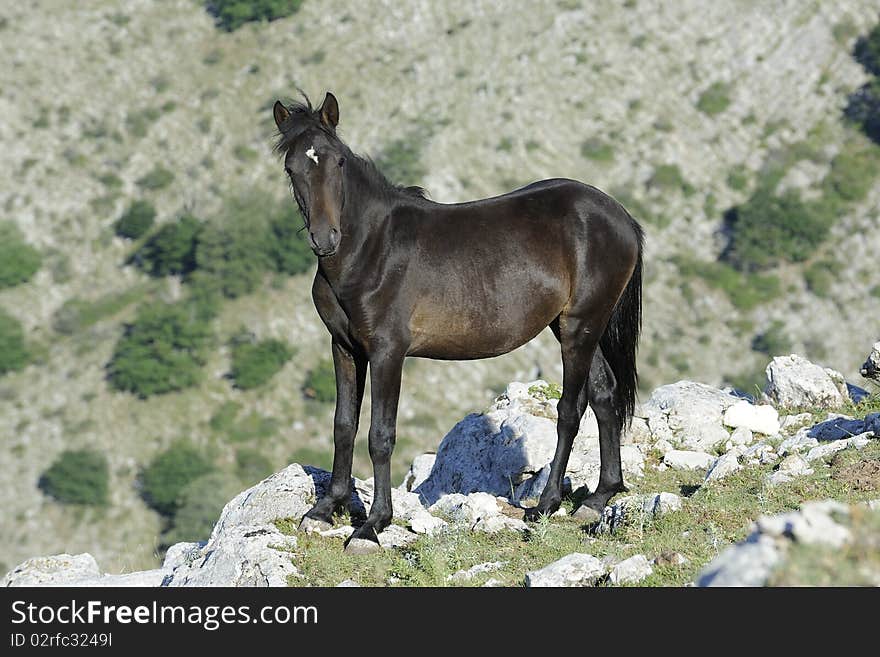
(773, 341)
(738, 178)
(320, 383)
(746, 290)
(251, 465)
(77, 315)
(232, 14)
(19, 261)
(545, 392)
(854, 171)
(715, 99)
(14, 353)
(669, 177)
(157, 178)
(820, 276)
(172, 249)
(597, 149)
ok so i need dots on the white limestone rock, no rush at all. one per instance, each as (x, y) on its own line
(576, 569)
(757, 418)
(793, 381)
(678, 459)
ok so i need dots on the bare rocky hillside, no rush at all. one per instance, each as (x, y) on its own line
(679, 111)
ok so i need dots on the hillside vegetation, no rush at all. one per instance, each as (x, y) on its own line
(155, 288)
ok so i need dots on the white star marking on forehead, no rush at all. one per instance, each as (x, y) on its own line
(311, 154)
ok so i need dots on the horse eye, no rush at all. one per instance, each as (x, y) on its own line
(341, 161)
(288, 171)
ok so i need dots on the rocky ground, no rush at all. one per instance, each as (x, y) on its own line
(726, 491)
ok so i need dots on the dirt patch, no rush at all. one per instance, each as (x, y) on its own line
(862, 475)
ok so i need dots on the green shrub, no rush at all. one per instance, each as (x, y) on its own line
(853, 173)
(715, 99)
(669, 177)
(819, 277)
(768, 229)
(78, 477)
(401, 160)
(172, 250)
(19, 261)
(773, 341)
(251, 466)
(235, 251)
(162, 351)
(744, 289)
(738, 179)
(320, 383)
(167, 475)
(867, 51)
(223, 419)
(863, 109)
(76, 315)
(254, 363)
(198, 507)
(597, 149)
(136, 221)
(289, 249)
(232, 14)
(157, 178)
(14, 354)
(252, 426)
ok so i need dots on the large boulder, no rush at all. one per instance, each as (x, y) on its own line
(505, 451)
(78, 570)
(688, 415)
(793, 381)
(871, 367)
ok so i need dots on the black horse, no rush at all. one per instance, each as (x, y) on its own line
(400, 275)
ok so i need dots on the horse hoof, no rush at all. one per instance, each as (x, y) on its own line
(313, 525)
(359, 546)
(532, 515)
(587, 515)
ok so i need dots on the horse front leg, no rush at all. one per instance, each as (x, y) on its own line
(351, 370)
(386, 369)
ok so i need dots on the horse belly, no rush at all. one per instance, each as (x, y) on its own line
(465, 327)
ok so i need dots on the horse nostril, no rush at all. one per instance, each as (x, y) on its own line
(334, 236)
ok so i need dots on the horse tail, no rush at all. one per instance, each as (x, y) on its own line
(620, 341)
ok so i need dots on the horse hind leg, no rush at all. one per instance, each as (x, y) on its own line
(602, 394)
(578, 342)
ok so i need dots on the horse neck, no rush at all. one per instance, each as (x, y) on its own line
(363, 223)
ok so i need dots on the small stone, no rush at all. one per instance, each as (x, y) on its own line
(347, 583)
(670, 558)
(314, 526)
(687, 460)
(577, 569)
(425, 523)
(760, 419)
(469, 573)
(827, 449)
(394, 536)
(631, 571)
(361, 546)
(741, 436)
(790, 467)
(723, 466)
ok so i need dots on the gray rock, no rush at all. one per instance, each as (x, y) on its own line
(760, 453)
(789, 423)
(425, 523)
(740, 438)
(56, 570)
(505, 451)
(790, 467)
(759, 419)
(827, 449)
(745, 564)
(478, 511)
(468, 574)
(871, 367)
(814, 523)
(575, 569)
(688, 415)
(419, 471)
(793, 381)
(181, 554)
(633, 507)
(799, 442)
(723, 466)
(347, 584)
(394, 536)
(240, 556)
(631, 571)
(678, 459)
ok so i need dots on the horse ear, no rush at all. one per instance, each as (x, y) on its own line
(330, 111)
(280, 112)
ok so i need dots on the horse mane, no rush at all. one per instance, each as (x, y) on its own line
(304, 117)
